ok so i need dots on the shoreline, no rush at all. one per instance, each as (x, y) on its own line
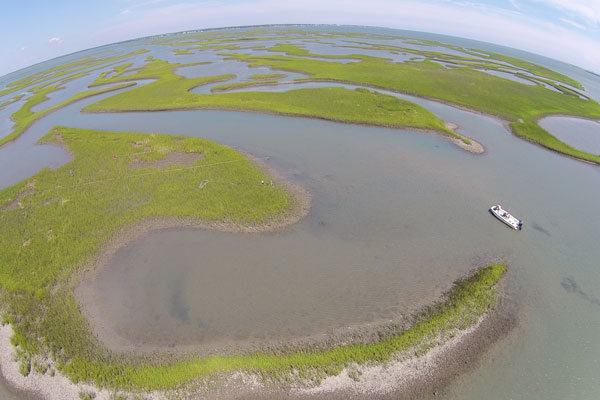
(83, 293)
(505, 123)
(420, 373)
(12, 138)
(426, 375)
(55, 385)
(454, 140)
(474, 148)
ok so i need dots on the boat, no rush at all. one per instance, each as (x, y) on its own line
(506, 217)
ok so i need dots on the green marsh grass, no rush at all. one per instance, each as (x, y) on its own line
(267, 76)
(13, 100)
(462, 86)
(241, 85)
(24, 117)
(171, 91)
(62, 221)
(61, 71)
(461, 308)
(66, 215)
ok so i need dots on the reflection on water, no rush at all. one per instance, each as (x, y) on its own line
(396, 217)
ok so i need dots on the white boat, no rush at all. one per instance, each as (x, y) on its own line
(506, 217)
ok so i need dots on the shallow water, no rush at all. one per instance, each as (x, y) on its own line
(579, 133)
(396, 217)
(512, 77)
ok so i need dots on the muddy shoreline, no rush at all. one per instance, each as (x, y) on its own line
(414, 374)
(105, 332)
(408, 376)
(429, 375)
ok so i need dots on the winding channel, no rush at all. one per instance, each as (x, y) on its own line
(396, 216)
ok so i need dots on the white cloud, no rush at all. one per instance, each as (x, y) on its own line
(23, 48)
(55, 40)
(572, 23)
(515, 4)
(588, 10)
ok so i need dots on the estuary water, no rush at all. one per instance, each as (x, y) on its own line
(396, 217)
(579, 133)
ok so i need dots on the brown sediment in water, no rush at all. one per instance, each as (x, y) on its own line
(474, 147)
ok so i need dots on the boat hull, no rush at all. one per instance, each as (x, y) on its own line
(505, 217)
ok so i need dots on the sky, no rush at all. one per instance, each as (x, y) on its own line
(37, 30)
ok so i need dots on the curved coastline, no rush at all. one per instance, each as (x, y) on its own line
(424, 369)
(60, 386)
(99, 327)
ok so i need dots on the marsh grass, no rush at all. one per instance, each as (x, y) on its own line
(24, 117)
(266, 76)
(461, 307)
(241, 85)
(65, 219)
(54, 79)
(70, 212)
(171, 91)
(61, 71)
(463, 86)
(13, 100)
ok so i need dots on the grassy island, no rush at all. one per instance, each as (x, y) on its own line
(266, 76)
(13, 100)
(54, 79)
(463, 83)
(55, 223)
(172, 92)
(64, 70)
(522, 105)
(24, 117)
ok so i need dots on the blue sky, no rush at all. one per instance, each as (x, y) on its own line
(36, 30)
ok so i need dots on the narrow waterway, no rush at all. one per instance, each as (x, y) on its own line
(396, 217)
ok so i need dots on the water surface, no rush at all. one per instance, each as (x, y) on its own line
(396, 217)
(580, 133)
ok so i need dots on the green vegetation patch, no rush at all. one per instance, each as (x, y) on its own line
(13, 100)
(24, 117)
(462, 86)
(172, 91)
(468, 300)
(294, 50)
(242, 85)
(64, 69)
(57, 221)
(266, 76)
(183, 52)
(533, 68)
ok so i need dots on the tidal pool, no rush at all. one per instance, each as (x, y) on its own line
(396, 217)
